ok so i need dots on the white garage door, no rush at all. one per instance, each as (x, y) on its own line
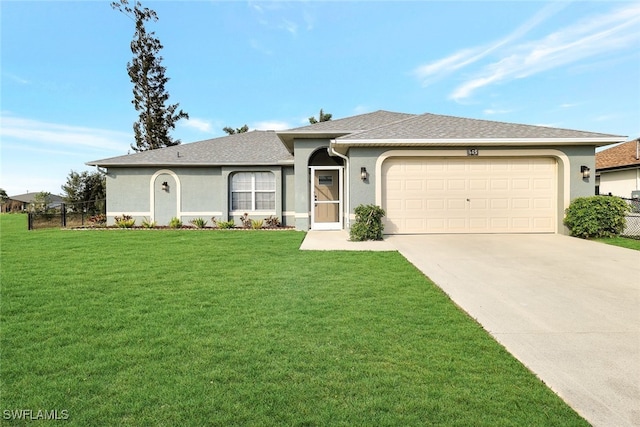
(469, 195)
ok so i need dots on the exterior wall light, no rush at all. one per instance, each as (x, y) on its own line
(363, 174)
(165, 186)
(585, 171)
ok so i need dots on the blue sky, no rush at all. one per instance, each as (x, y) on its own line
(65, 96)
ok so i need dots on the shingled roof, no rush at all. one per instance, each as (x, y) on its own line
(346, 126)
(376, 128)
(440, 127)
(621, 156)
(355, 123)
(249, 148)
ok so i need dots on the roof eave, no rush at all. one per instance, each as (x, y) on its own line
(166, 165)
(288, 138)
(598, 142)
(618, 168)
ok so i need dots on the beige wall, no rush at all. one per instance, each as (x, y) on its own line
(620, 183)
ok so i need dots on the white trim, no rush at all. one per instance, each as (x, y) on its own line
(152, 196)
(327, 225)
(201, 213)
(250, 213)
(117, 213)
(253, 191)
(481, 141)
(302, 215)
(347, 180)
(542, 152)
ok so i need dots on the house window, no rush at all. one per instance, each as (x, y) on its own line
(253, 191)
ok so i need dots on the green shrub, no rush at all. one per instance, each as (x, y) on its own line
(147, 223)
(125, 221)
(226, 224)
(175, 223)
(199, 222)
(368, 224)
(596, 216)
(256, 224)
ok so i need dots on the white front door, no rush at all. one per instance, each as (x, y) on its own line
(326, 197)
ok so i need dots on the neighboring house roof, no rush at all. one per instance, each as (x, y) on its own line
(249, 148)
(439, 129)
(29, 197)
(624, 155)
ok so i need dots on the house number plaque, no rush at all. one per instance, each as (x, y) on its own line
(472, 151)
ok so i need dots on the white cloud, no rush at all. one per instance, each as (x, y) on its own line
(198, 124)
(362, 109)
(17, 79)
(492, 111)
(600, 35)
(271, 125)
(256, 45)
(445, 66)
(59, 135)
(289, 26)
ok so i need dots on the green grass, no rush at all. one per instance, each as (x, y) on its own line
(178, 327)
(623, 242)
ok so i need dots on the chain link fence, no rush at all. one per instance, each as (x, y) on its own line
(69, 215)
(632, 229)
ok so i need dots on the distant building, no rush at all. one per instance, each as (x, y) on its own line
(21, 202)
(618, 170)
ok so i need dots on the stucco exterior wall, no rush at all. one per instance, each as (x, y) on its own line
(193, 192)
(620, 183)
(303, 149)
(289, 196)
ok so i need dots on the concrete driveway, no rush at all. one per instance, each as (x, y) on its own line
(567, 308)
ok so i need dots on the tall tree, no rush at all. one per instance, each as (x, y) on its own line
(41, 202)
(147, 74)
(85, 192)
(322, 117)
(232, 131)
(4, 198)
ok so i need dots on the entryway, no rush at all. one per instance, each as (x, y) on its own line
(326, 197)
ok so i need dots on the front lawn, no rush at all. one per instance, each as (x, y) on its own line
(623, 242)
(178, 327)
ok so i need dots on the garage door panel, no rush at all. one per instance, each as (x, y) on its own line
(456, 184)
(542, 203)
(480, 224)
(456, 204)
(415, 204)
(414, 185)
(499, 184)
(455, 166)
(542, 222)
(436, 184)
(542, 184)
(520, 184)
(428, 195)
(456, 224)
(500, 204)
(499, 223)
